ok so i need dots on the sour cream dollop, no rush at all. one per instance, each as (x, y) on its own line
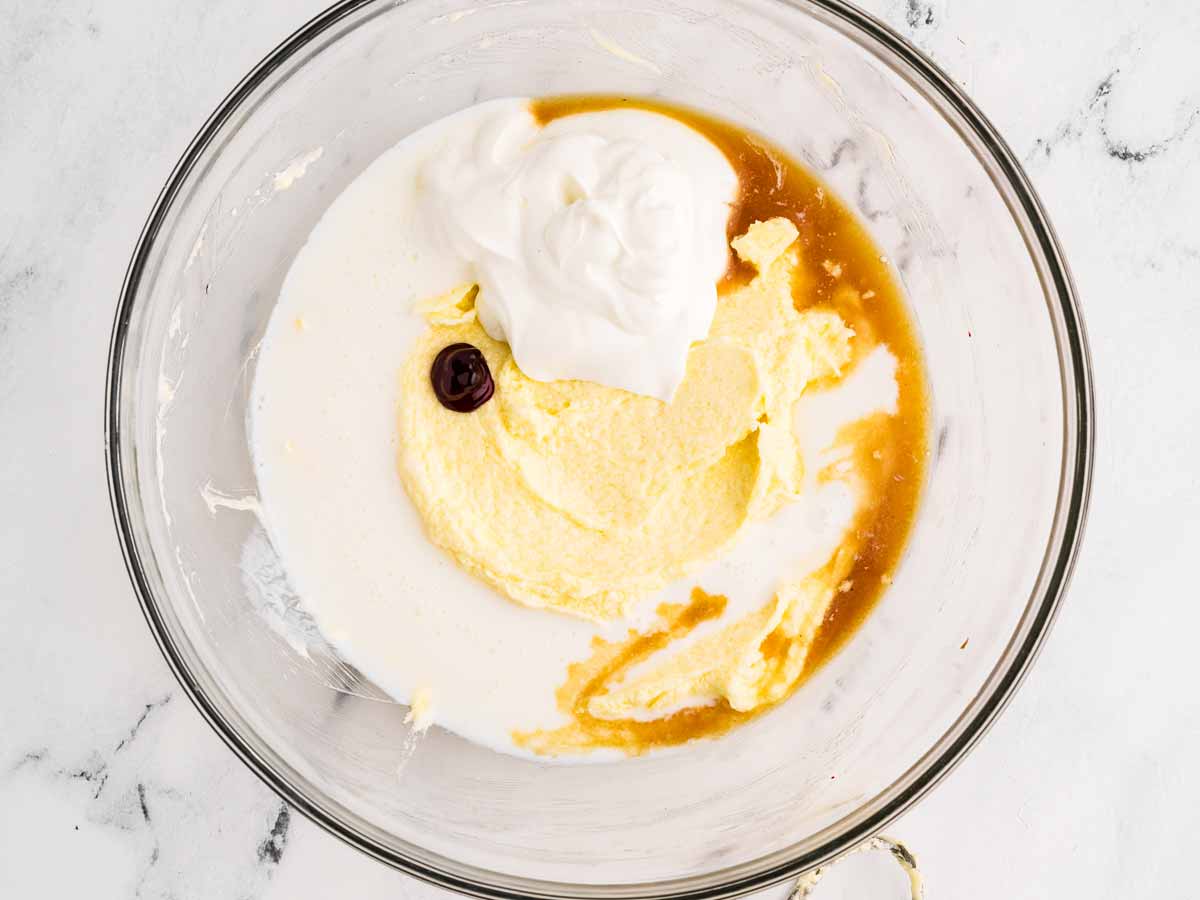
(597, 241)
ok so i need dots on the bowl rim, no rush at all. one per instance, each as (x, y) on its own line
(979, 714)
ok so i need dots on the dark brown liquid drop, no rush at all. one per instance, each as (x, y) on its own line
(461, 378)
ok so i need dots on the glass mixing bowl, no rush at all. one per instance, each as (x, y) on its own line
(873, 729)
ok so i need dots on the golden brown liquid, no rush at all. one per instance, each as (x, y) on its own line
(591, 676)
(841, 269)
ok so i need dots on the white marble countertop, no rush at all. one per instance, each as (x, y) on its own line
(112, 786)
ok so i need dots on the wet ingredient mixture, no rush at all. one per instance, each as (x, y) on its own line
(469, 535)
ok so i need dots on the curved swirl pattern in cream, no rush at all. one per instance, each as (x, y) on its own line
(597, 241)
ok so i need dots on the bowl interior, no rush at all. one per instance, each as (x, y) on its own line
(874, 725)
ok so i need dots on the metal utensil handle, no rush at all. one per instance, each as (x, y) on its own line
(806, 883)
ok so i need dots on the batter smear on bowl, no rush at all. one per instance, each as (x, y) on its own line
(644, 444)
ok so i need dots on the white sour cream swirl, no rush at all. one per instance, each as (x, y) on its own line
(597, 241)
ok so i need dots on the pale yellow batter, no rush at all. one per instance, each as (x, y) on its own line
(583, 498)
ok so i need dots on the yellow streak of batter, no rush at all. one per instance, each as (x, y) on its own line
(742, 669)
